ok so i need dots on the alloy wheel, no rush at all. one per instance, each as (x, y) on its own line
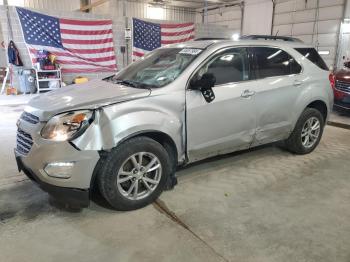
(139, 175)
(310, 132)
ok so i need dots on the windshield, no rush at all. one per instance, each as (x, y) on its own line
(157, 69)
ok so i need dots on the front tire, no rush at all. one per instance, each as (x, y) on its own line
(307, 132)
(134, 174)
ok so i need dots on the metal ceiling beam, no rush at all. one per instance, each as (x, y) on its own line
(189, 3)
(203, 3)
(225, 4)
(193, 4)
(95, 4)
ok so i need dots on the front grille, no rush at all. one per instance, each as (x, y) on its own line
(28, 117)
(342, 86)
(24, 142)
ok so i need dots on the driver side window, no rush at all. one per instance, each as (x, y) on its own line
(227, 67)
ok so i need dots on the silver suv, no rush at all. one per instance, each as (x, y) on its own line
(125, 135)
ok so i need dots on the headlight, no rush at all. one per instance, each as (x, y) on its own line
(67, 126)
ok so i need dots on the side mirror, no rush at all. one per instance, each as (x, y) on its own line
(205, 84)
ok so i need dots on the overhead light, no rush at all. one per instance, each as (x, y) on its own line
(235, 37)
(155, 12)
(346, 26)
(324, 52)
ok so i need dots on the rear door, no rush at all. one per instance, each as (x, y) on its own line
(277, 86)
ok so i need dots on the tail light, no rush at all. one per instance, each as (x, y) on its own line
(332, 80)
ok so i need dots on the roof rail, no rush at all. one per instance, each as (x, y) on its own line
(210, 38)
(270, 37)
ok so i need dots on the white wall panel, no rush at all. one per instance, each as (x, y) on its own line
(302, 28)
(302, 4)
(283, 19)
(304, 16)
(213, 30)
(329, 26)
(3, 56)
(258, 18)
(226, 16)
(331, 12)
(297, 5)
(284, 7)
(282, 30)
(61, 5)
(324, 3)
(314, 24)
(327, 39)
(306, 38)
(141, 10)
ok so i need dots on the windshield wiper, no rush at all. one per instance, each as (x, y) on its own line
(126, 82)
(133, 84)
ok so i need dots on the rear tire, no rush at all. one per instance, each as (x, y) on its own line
(307, 132)
(134, 173)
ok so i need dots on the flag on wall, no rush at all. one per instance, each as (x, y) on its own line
(148, 36)
(80, 46)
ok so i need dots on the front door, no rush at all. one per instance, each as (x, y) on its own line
(228, 122)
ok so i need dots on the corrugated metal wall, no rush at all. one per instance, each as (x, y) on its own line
(229, 16)
(3, 57)
(314, 21)
(61, 5)
(141, 10)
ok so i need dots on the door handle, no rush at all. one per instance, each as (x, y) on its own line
(247, 93)
(297, 83)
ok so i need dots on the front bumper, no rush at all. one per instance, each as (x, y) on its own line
(34, 154)
(73, 196)
(342, 104)
(341, 99)
(74, 189)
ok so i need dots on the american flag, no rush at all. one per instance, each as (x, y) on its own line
(80, 46)
(148, 36)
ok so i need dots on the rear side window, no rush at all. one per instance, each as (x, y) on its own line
(271, 62)
(312, 55)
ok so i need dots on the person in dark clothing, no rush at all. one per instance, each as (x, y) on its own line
(13, 54)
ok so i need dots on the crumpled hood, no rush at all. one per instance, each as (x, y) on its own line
(93, 94)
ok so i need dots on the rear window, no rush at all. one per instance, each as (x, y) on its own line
(312, 55)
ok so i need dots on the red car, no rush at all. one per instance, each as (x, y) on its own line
(340, 81)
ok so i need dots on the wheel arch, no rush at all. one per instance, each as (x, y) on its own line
(162, 138)
(321, 106)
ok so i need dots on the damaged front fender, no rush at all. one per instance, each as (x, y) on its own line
(113, 124)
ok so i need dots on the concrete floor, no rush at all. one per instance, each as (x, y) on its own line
(340, 117)
(260, 205)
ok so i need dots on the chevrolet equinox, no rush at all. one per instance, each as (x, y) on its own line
(126, 134)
